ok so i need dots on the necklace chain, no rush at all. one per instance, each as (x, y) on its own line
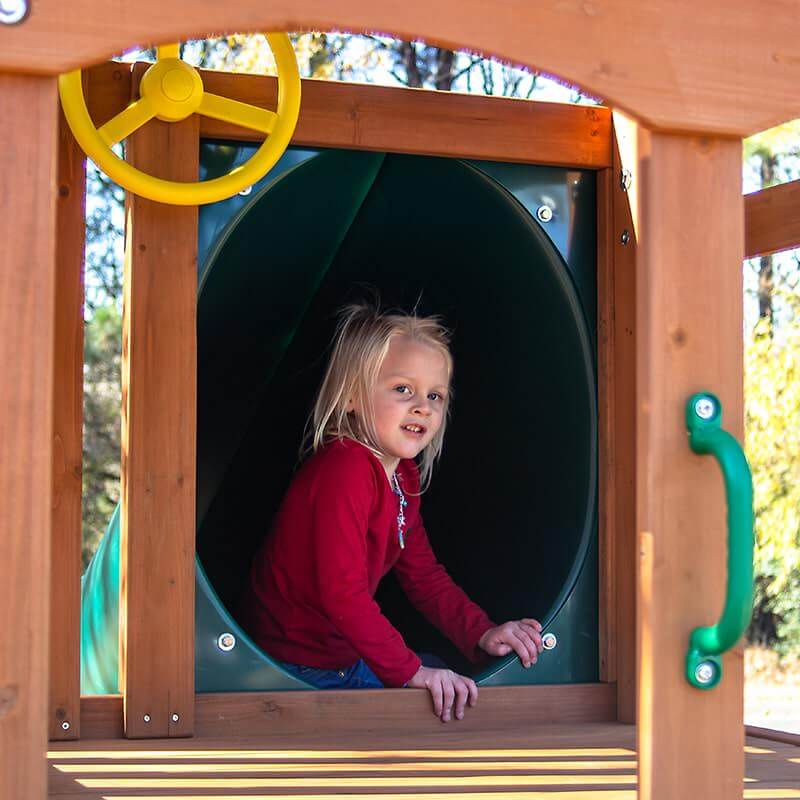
(402, 503)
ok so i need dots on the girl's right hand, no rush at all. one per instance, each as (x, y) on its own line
(446, 687)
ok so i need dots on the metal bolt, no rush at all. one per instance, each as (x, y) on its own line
(246, 191)
(12, 12)
(626, 237)
(704, 672)
(175, 717)
(625, 179)
(704, 408)
(549, 641)
(146, 718)
(226, 642)
(544, 213)
(65, 725)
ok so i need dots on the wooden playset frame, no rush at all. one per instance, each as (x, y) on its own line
(673, 229)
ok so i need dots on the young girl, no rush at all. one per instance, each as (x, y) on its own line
(352, 513)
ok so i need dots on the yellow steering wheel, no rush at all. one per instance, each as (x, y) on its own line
(172, 90)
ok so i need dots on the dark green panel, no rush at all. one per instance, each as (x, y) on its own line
(442, 235)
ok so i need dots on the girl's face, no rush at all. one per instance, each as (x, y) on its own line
(408, 399)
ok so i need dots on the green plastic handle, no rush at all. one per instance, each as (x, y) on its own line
(706, 645)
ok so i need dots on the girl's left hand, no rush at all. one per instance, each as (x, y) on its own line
(523, 636)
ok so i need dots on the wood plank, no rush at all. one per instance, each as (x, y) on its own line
(423, 122)
(502, 764)
(772, 220)
(368, 117)
(722, 67)
(606, 432)
(773, 735)
(624, 136)
(581, 761)
(65, 579)
(385, 710)
(27, 286)
(102, 717)
(689, 326)
(333, 714)
(157, 516)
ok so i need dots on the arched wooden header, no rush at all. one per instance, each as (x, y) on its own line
(727, 67)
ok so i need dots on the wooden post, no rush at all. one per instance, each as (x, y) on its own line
(689, 338)
(622, 409)
(65, 584)
(158, 443)
(28, 131)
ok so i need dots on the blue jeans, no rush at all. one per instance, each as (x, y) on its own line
(357, 676)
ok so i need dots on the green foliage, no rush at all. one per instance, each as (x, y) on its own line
(772, 443)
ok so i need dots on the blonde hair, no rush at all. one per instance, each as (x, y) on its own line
(362, 339)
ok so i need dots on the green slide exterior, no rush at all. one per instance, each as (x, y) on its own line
(512, 511)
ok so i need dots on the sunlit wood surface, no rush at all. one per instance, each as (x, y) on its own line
(559, 762)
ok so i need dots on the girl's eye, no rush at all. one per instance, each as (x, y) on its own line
(434, 396)
(402, 389)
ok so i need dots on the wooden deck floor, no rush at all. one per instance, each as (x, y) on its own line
(594, 761)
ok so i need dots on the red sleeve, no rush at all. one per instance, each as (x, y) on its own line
(341, 502)
(437, 597)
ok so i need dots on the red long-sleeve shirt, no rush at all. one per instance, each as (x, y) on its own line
(310, 596)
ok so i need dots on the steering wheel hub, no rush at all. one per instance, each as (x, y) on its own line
(177, 86)
(174, 88)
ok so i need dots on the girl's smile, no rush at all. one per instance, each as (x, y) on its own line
(409, 399)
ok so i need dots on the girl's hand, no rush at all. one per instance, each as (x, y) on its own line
(523, 636)
(445, 687)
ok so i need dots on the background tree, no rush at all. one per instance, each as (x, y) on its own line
(772, 405)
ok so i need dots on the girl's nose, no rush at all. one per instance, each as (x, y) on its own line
(423, 409)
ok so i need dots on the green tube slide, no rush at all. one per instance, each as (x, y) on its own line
(512, 510)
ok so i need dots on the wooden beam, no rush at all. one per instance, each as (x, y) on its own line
(365, 117)
(616, 395)
(772, 735)
(607, 566)
(418, 121)
(65, 580)
(158, 443)
(725, 66)
(772, 220)
(381, 711)
(625, 188)
(28, 131)
(689, 338)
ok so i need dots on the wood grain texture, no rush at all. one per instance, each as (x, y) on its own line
(623, 421)
(65, 579)
(27, 286)
(578, 761)
(773, 735)
(723, 66)
(690, 245)
(107, 88)
(606, 432)
(158, 442)
(772, 220)
(433, 123)
(397, 120)
(333, 714)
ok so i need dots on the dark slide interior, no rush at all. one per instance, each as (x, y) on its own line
(511, 505)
